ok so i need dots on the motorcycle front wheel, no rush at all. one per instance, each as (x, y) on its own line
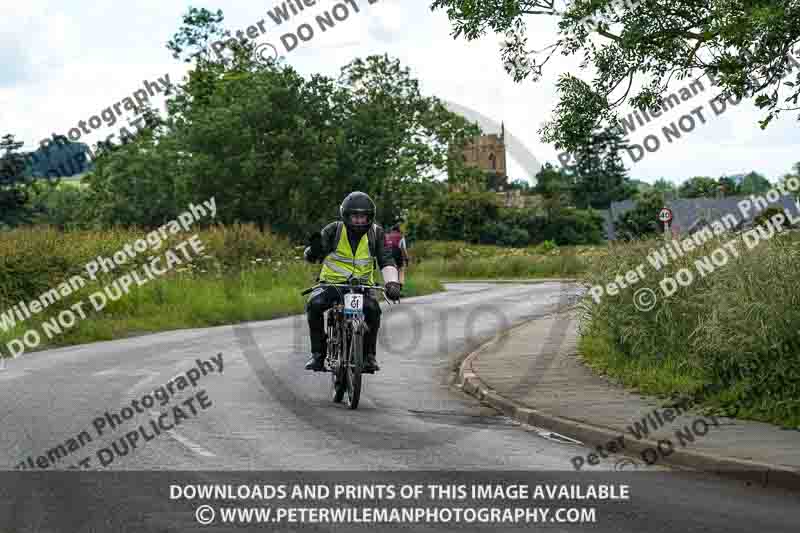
(353, 369)
(338, 373)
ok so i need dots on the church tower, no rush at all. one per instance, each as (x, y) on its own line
(488, 153)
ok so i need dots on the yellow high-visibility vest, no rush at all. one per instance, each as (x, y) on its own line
(340, 264)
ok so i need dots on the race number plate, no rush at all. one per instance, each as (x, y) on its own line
(353, 303)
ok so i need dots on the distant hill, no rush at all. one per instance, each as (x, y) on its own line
(58, 159)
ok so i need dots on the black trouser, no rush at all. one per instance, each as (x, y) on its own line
(321, 302)
(399, 258)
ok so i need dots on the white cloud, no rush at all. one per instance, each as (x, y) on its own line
(63, 64)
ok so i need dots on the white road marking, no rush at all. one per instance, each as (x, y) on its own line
(196, 448)
(109, 372)
(549, 435)
(12, 374)
(147, 379)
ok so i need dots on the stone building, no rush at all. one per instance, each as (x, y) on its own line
(488, 153)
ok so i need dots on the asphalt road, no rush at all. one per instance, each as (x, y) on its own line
(264, 412)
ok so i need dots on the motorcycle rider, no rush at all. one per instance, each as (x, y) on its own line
(346, 248)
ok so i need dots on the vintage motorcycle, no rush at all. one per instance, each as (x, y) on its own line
(345, 329)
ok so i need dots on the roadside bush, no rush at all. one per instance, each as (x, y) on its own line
(461, 216)
(641, 221)
(63, 206)
(515, 237)
(514, 266)
(491, 231)
(573, 226)
(475, 218)
(766, 214)
(729, 339)
(549, 246)
(35, 259)
(420, 226)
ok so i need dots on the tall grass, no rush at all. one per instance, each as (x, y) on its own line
(730, 339)
(520, 267)
(244, 275)
(460, 260)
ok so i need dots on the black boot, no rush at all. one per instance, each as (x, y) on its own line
(370, 364)
(316, 362)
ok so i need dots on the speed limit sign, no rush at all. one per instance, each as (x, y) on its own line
(665, 215)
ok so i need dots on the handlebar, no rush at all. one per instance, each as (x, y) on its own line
(373, 287)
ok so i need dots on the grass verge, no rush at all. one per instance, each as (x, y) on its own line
(730, 339)
(458, 260)
(195, 302)
(244, 276)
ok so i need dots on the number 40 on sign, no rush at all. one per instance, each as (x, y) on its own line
(664, 216)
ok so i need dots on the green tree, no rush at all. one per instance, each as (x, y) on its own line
(520, 185)
(555, 187)
(573, 226)
(461, 216)
(276, 148)
(642, 219)
(640, 186)
(395, 137)
(796, 175)
(599, 177)
(666, 187)
(15, 185)
(754, 183)
(699, 187)
(63, 205)
(740, 43)
(728, 186)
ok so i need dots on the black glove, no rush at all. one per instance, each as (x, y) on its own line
(393, 290)
(315, 243)
(313, 252)
(309, 256)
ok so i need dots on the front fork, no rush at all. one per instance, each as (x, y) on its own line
(338, 331)
(333, 337)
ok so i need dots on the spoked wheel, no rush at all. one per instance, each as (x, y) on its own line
(338, 383)
(353, 370)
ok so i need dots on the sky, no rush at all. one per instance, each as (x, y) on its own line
(66, 61)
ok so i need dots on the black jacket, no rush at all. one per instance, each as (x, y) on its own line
(376, 248)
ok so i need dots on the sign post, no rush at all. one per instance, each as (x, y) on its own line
(665, 216)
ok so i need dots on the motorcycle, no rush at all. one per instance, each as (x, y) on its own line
(346, 327)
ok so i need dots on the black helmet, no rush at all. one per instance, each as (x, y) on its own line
(357, 203)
